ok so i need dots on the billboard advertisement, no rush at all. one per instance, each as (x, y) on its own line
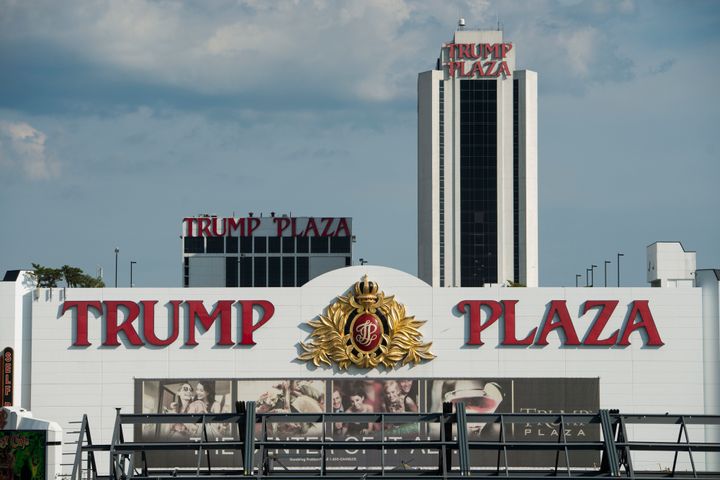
(368, 395)
(22, 454)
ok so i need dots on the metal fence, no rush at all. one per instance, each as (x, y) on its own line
(444, 446)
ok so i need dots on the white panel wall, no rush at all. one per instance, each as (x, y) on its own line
(68, 381)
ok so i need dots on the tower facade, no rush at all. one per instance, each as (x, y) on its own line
(477, 165)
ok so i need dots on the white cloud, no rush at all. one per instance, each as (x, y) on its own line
(23, 148)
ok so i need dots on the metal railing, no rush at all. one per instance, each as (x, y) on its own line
(448, 445)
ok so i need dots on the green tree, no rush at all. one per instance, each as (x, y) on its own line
(46, 277)
(74, 277)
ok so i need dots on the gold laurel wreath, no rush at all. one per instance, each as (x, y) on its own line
(403, 341)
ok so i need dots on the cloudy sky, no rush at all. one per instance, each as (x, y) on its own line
(118, 119)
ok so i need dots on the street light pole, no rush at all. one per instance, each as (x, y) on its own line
(131, 265)
(587, 277)
(592, 271)
(606, 264)
(577, 277)
(117, 250)
(618, 265)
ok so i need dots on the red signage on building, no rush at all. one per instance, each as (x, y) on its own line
(7, 368)
(138, 324)
(135, 323)
(483, 60)
(557, 320)
(280, 226)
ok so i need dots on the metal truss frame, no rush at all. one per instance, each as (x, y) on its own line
(451, 451)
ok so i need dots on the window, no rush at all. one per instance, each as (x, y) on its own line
(288, 244)
(231, 271)
(245, 244)
(260, 244)
(260, 273)
(274, 244)
(274, 271)
(319, 245)
(302, 244)
(340, 245)
(194, 245)
(231, 244)
(215, 245)
(288, 271)
(246, 272)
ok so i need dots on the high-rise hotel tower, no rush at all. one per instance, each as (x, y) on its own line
(477, 165)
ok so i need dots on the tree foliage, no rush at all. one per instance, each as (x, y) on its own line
(48, 277)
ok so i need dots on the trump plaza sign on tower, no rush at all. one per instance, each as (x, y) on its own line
(236, 321)
(471, 60)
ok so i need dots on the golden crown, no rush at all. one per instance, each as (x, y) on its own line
(366, 291)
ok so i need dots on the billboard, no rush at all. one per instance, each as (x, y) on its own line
(369, 395)
(22, 454)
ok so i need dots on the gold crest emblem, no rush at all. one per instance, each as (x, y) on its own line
(367, 329)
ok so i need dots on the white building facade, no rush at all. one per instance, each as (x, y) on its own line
(90, 351)
(477, 165)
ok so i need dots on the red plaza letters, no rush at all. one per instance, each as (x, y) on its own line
(557, 320)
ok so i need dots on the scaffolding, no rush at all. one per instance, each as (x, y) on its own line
(447, 449)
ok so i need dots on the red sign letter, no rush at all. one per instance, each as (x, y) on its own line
(247, 318)
(197, 310)
(558, 308)
(474, 308)
(509, 330)
(111, 323)
(606, 310)
(149, 323)
(81, 321)
(647, 323)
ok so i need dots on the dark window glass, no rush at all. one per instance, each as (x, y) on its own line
(516, 182)
(478, 182)
(260, 273)
(348, 261)
(215, 245)
(246, 276)
(288, 244)
(260, 244)
(302, 244)
(186, 272)
(303, 271)
(340, 245)
(231, 271)
(231, 244)
(274, 271)
(245, 244)
(274, 244)
(288, 271)
(194, 245)
(319, 245)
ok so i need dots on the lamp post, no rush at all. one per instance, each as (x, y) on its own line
(131, 265)
(577, 277)
(592, 273)
(606, 264)
(362, 261)
(618, 265)
(117, 250)
(587, 277)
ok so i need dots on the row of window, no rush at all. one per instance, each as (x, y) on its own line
(478, 183)
(268, 271)
(267, 245)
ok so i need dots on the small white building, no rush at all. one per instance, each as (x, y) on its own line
(670, 265)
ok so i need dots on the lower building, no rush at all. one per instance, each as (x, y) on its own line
(362, 339)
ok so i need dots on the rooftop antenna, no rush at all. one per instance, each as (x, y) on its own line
(461, 24)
